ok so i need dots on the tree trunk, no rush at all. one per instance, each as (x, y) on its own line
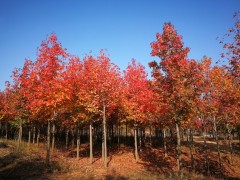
(103, 150)
(6, 128)
(73, 138)
(206, 152)
(38, 135)
(53, 135)
(156, 132)
(105, 137)
(112, 132)
(34, 134)
(239, 136)
(118, 133)
(67, 132)
(216, 137)
(48, 143)
(19, 135)
(230, 143)
(91, 143)
(0, 129)
(179, 151)
(140, 140)
(182, 135)
(164, 143)
(136, 145)
(126, 137)
(78, 140)
(29, 135)
(191, 150)
(150, 133)
(188, 135)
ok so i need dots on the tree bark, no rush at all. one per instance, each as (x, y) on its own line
(191, 149)
(140, 140)
(29, 135)
(48, 143)
(67, 133)
(73, 137)
(118, 133)
(53, 135)
(78, 140)
(164, 143)
(217, 141)
(136, 145)
(206, 152)
(150, 134)
(179, 151)
(38, 135)
(91, 143)
(103, 150)
(105, 136)
(0, 129)
(19, 135)
(34, 134)
(230, 143)
(6, 128)
(126, 137)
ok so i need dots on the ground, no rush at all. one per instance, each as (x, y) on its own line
(30, 164)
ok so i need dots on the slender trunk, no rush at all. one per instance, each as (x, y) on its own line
(150, 138)
(78, 140)
(140, 140)
(73, 138)
(156, 132)
(91, 143)
(38, 135)
(179, 151)
(118, 134)
(191, 150)
(105, 136)
(164, 143)
(182, 135)
(53, 135)
(126, 137)
(6, 128)
(112, 132)
(103, 150)
(206, 152)
(230, 143)
(188, 135)
(217, 141)
(48, 143)
(171, 134)
(143, 137)
(34, 134)
(136, 145)
(19, 135)
(239, 136)
(29, 135)
(67, 132)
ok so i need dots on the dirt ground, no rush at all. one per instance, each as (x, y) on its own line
(30, 164)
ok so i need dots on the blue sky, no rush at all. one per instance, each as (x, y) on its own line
(124, 27)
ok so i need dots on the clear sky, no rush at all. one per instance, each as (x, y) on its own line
(124, 27)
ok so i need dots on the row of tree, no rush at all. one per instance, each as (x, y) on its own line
(61, 89)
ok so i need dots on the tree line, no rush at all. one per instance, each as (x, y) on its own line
(59, 92)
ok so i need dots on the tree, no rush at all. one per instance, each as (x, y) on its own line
(101, 93)
(179, 78)
(47, 93)
(137, 100)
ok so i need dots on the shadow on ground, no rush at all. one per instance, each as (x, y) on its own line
(13, 167)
